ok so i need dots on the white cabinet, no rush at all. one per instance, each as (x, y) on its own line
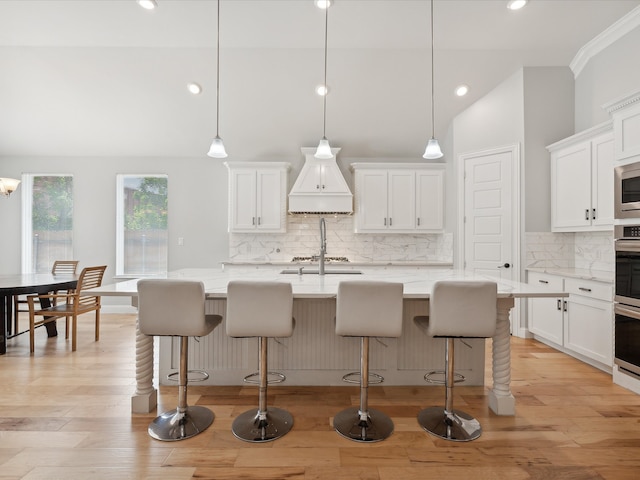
(546, 314)
(582, 181)
(588, 327)
(580, 324)
(399, 198)
(257, 196)
(626, 126)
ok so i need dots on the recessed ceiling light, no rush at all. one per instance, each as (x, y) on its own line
(323, 3)
(148, 4)
(322, 90)
(194, 88)
(462, 90)
(516, 4)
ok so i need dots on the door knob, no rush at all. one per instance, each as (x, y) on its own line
(506, 265)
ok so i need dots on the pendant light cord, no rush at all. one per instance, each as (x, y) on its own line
(433, 125)
(218, 74)
(326, 88)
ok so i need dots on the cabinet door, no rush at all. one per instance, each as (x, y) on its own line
(401, 200)
(430, 200)
(331, 180)
(571, 187)
(242, 205)
(589, 328)
(602, 181)
(371, 200)
(545, 315)
(269, 204)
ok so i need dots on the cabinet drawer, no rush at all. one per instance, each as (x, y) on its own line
(588, 288)
(552, 282)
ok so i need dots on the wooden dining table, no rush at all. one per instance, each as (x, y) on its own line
(23, 284)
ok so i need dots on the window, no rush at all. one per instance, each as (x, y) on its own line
(142, 235)
(47, 226)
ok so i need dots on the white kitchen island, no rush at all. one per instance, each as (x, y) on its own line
(314, 355)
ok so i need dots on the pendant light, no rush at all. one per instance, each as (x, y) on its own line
(324, 149)
(217, 147)
(8, 186)
(433, 148)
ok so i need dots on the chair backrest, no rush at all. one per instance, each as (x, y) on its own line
(369, 309)
(90, 277)
(459, 308)
(64, 267)
(259, 309)
(172, 307)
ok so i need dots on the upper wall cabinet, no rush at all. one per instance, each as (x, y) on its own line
(398, 198)
(257, 196)
(582, 181)
(626, 125)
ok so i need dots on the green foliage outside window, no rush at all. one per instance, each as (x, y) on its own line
(148, 205)
(52, 203)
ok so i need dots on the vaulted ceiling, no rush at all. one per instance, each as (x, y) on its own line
(103, 77)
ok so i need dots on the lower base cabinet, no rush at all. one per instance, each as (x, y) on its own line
(580, 324)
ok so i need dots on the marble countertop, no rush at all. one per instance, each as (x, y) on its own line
(417, 283)
(581, 273)
(248, 263)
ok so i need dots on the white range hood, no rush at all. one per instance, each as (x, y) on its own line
(320, 187)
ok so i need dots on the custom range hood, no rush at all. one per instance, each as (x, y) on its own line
(320, 187)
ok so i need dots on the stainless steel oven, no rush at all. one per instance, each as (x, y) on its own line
(627, 191)
(627, 273)
(627, 298)
(627, 338)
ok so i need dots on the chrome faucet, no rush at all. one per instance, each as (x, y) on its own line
(323, 245)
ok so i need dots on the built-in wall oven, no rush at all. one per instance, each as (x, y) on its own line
(627, 298)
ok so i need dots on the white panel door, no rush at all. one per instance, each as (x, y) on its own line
(602, 180)
(242, 214)
(402, 200)
(488, 213)
(268, 206)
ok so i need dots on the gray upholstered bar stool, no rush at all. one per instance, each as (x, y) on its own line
(367, 309)
(457, 309)
(263, 310)
(176, 308)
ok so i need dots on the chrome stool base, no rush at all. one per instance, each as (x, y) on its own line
(375, 428)
(250, 427)
(457, 426)
(178, 425)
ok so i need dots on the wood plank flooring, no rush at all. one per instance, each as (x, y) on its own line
(67, 416)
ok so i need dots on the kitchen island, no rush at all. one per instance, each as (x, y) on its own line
(314, 355)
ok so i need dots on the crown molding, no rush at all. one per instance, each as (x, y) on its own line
(609, 36)
(622, 102)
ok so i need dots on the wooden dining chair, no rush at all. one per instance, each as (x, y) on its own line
(69, 306)
(60, 267)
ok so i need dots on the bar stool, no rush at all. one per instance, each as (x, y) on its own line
(176, 308)
(457, 309)
(367, 309)
(260, 309)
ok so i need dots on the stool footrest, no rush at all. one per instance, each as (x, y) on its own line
(354, 377)
(429, 377)
(272, 377)
(198, 376)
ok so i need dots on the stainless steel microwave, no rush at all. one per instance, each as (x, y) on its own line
(627, 191)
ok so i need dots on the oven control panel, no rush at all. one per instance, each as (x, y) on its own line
(627, 231)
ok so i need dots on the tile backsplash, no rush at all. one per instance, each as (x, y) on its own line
(303, 239)
(585, 250)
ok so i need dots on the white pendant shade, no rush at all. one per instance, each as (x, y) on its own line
(433, 150)
(217, 149)
(8, 185)
(324, 149)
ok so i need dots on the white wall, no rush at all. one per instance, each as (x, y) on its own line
(197, 208)
(612, 73)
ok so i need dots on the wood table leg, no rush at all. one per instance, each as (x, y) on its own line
(501, 401)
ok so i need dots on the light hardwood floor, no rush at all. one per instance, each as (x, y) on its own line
(67, 416)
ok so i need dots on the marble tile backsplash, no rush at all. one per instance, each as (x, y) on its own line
(585, 250)
(303, 239)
